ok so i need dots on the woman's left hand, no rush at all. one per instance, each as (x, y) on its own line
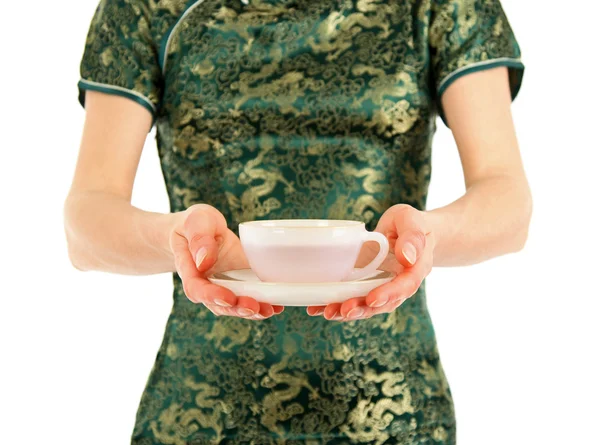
(411, 258)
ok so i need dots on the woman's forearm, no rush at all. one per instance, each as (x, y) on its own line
(490, 220)
(106, 233)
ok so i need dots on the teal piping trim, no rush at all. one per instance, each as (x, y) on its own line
(515, 78)
(166, 41)
(479, 66)
(119, 91)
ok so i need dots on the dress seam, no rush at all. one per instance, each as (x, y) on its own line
(168, 37)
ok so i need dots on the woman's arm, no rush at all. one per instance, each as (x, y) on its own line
(492, 218)
(104, 231)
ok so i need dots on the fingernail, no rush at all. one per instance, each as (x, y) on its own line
(410, 253)
(258, 317)
(319, 312)
(244, 312)
(357, 312)
(221, 303)
(200, 256)
(379, 302)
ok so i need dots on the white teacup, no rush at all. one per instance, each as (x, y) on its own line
(308, 250)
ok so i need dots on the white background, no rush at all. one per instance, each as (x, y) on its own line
(518, 335)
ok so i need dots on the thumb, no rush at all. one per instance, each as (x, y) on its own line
(410, 246)
(204, 228)
(405, 227)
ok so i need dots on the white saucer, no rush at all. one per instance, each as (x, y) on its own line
(246, 283)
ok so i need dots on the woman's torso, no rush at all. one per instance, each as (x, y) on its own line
(310, 109)
(295, 109)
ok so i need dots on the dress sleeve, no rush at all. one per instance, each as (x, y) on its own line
(120, 56)
(466, 36)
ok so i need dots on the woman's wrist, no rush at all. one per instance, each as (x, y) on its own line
(157, 231)
(490, 220)
(444, 228)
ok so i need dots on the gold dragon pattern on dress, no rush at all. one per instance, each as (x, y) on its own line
(294, 109)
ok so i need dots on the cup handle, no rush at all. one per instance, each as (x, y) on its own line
(384, 247)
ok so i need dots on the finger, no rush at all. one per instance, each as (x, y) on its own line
(315, 310)
(388, 308)
(195, 286)
(216, 310)
(332, 311)
(401, 286)
(368, 312)
(409, 247)
(405, 285)
(406, 229)
(353, 308)
(184, 265)
(247, 307)
(360, 313)
(203, 228)
(266, 310)
(278, 309)
(232, 312)
(262, 313)
(200, 290)
(228, 312)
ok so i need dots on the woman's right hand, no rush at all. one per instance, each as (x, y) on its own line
(202, 245)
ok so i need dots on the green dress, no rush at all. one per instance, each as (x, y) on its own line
(295, 109)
